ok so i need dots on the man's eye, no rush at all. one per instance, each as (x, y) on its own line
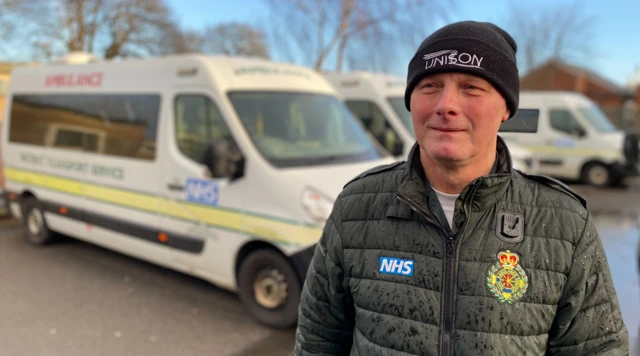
(428, 85)
(471, 87)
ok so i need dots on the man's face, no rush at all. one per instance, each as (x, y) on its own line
(456, 116)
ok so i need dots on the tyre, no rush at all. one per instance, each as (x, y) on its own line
(269, 288)
(37, 231)
(597, 174)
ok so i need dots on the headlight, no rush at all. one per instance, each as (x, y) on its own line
(316, 205)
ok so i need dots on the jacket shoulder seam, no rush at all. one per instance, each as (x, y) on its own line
(375, 170)
(576, 212)
(555, 184)
(366, 193)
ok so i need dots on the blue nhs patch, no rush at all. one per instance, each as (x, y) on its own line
(389, 265)
(202, 191)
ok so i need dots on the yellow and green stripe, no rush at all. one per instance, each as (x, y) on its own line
(278, 230)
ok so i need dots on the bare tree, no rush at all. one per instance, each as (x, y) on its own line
(14, 24)
(559, 32)
(108, 28)
(367, 32)
(236, 39)
(8, 10)
(182, 41)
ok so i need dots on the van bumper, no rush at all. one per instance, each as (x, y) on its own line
(626, 170)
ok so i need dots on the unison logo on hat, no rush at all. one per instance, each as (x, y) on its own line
(452, 57)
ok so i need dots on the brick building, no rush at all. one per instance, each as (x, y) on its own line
(620, 103)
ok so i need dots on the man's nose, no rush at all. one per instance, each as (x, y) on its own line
(447, 104)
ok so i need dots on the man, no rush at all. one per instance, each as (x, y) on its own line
(453, 252)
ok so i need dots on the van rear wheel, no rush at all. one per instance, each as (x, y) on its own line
(269, 289)
(597, 174)
(37, 231)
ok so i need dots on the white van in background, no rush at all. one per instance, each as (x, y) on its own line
(378, 101)
(575, 140)
(222, 168)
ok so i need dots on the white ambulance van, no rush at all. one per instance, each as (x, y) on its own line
(575, 140)
(221, 168)
(378, 100)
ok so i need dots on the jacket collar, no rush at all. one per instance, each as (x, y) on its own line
(481, 193)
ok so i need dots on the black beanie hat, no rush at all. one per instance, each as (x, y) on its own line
(478, 48)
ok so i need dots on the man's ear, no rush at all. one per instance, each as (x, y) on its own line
(507, 112)
(506, 115)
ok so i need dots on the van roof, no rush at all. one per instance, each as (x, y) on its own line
(380, 83)
(228, 74)
(553, 97)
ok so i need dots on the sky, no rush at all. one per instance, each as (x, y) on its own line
(615, 31)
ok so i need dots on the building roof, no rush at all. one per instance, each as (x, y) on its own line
(593, 76)
(7, 67)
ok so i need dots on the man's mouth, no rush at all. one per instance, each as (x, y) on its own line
(447, 129)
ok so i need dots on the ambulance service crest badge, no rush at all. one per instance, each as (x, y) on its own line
(506, 279)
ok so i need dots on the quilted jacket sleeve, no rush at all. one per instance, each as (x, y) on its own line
(588, 319)
(325, 316)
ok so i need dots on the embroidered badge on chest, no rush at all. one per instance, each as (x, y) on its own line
(510, 227)
(506, 279)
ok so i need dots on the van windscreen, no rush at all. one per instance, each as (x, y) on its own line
(293, 129)
(597, 118)
(397, 104)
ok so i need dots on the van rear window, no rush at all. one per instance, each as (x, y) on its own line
(114, 125)
(525, 120)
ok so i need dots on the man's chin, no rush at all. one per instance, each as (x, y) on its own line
(445, 152)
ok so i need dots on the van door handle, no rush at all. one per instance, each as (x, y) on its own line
(175, 186)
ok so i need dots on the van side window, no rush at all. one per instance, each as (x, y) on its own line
(562, 120)
(198, 121)
(524, 120)
(123, 125)
(376, 124)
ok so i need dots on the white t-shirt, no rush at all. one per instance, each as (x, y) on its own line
(448, 203)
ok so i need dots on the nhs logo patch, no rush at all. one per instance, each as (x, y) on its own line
(390, 265)
(202, 191)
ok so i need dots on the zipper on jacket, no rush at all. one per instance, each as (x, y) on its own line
(420, 211)
(451, 243)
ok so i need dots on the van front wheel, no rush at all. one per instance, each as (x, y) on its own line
(269, 289)
(36, 227)
(597, 174)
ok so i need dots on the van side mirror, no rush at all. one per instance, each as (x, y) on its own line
(223, 160)
(398, 149)
(579, 132)
(392, 142)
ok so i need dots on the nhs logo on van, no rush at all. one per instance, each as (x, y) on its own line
(202, 191)
(390, 265)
